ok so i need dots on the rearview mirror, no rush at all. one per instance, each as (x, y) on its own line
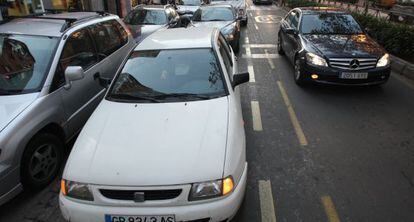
(240, 78)
(73, 73)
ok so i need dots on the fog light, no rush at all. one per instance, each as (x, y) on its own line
(314, 76)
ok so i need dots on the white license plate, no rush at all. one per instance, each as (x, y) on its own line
(354, 75)
(121, 218)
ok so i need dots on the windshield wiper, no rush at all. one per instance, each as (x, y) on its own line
(147, 23)
(214, 20)
(184, 95)
(131, 97)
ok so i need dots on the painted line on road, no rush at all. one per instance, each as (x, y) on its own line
(267, 207)
(330, 209)
(259, 56)
(269, 60)
(260, 45)
(250, 69)
(255, 25)
(293, 118)
(257, 119)
(246, 40)
(251, 15)
(248, 52)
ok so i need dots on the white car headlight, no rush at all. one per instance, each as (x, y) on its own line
(384, 60)
(76, 190)
(315, 59)
(211, 189)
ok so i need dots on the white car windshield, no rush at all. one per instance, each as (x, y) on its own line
(165, 75)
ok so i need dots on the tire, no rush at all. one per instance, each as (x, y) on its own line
(298, 74)
(41, 161)
(279, 46)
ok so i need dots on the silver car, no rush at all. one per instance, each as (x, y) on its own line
(51, 68)
(143, 20)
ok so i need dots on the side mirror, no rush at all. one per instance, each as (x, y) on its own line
(290, 31)
(104, 82)
(240, 78)
(73, 73)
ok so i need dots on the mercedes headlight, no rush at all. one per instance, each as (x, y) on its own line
(384, 60)
(76, 190)
(211, 189)
(315, 59)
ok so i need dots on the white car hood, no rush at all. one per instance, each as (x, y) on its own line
(148, 144)
(11, 106)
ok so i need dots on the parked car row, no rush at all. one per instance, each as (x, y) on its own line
(156, 108)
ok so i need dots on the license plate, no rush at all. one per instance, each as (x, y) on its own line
(121, 218)
(354, 75)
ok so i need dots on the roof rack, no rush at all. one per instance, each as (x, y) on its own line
(68, 21)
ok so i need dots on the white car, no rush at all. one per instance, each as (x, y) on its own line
(167, 143)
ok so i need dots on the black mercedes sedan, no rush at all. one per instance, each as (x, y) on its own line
(328, 46)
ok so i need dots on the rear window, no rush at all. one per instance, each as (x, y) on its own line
(330, 24)
(146, 17)
(213, 14)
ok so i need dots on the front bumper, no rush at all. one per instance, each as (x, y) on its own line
(331, 76)
(10, 185)
(218, 210)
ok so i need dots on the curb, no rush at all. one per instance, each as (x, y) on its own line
(402, 67)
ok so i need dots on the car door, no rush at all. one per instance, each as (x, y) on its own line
(112, 45)
(291, 38)
(78, 99)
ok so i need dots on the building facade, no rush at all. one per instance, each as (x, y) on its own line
(10, 8)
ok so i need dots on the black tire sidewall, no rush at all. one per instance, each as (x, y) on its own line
(299, 81)
(39, 140)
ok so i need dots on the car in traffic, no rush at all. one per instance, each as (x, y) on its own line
(49, 86)
(187, 7)
(146, 19)
(223, 17)
(167, 143)
(239, 5)
(327, 45)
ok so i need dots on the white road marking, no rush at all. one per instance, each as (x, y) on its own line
(260, 56)
(251, 15)
(257, 28)
(257, 119)
(293, 118)
(267, 207)
(248, 52)
(270, 61)
(246, 40)
(267, 19)
(260, 45)
(250, 69)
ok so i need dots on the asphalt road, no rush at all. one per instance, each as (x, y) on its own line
(315, 153)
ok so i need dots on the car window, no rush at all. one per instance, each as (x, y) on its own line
(294, 19)
(24, 62)
(161, 72)
(189, 2)
(78, 51)
(122, 31)
(146, 17)
(214, 14)
(226, 55)
(107, 37)
(330, 24)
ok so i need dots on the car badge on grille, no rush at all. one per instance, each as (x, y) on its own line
(354, 64)
(139, 197)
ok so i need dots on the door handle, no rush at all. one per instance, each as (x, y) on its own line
(97, 75)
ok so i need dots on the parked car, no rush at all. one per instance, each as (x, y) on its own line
(146, 19)
(239, 5)
(223, 17)
(328, 46)
(167, 143)
(49, 88)
(188, 7)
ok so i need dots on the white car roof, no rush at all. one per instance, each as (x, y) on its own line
(178, 38)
